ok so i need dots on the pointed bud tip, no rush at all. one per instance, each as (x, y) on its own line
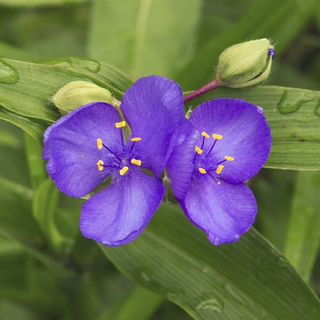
(245, 64)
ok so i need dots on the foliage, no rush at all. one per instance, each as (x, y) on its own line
(49, 271)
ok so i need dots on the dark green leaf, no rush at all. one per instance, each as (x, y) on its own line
(303, 235)
(248, 279)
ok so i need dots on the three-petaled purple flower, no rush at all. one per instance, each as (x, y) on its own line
(87, 146)
(225, 142)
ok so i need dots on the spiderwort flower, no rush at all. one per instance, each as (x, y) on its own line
(88, 146)
(225, 142)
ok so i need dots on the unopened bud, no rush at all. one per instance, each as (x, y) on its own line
(245, 64)
(78, 93)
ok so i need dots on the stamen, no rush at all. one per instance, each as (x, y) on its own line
(136, 162)
(205, 135)
(135, 139)
(198, 150)
(229, 158)
(120, 124)
(99, 143)
(218, 182)
(100, 164)
(217, 136)
(203, 171)
(123, 170)
(219, 169)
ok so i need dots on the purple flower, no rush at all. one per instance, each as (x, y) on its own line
(225, 142)
(87, 147)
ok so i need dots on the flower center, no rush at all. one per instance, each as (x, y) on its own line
(118, 162)
(206, 164)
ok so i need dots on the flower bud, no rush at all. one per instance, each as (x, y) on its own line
(245, 64)
(78, 93)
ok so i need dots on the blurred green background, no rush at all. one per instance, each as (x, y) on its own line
(180, 39)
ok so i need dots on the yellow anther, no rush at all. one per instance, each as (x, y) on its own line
(123, 171)
(198, 150)
(135, 139)
(219, 169)
(100, 165)
(205, 135)
(229, 158)
(99, 143)
(120, 124)
(217, 136)
(203, 171)
(219, 182)
(136, 162)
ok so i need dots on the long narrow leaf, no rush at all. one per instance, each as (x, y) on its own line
(248, 280)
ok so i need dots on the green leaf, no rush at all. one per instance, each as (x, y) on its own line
(140, 305)
(35, 163)
(277, 20)
(34, 128)
(44, 206)
(303, 234)
(26, 88)
(294, 119)
(151, 37)
(273, 216)
(248, 279)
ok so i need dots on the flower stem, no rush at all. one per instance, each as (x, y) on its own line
(209, 86)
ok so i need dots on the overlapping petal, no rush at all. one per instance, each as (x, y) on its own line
(71, 147)
(246, 135)
(119, 213)
(153, 108)
(180, 164)
(223, 211)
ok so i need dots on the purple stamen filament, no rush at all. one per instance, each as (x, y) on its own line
(218, 166)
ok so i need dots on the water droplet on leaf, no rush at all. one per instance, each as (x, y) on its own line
(317, 109)
(210, 302)
(285, 108)
(7, 73)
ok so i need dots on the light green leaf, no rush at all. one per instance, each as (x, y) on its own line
(277, 20)
(26, 88)
(303, 234)
(143, 37)
(35, 163)
(248, 279)
(43, 208)
(294, 118)
(140, 305)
